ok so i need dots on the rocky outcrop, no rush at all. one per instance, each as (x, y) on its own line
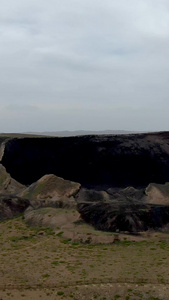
(51, 190)
(90, 195)
(157, 193)
(130, 210)
(111, 194)
(51, 217)
(8, 185)
(48, 191)
(11, 206)
(125, 216)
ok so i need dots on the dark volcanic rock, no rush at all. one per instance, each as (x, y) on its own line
(126, 209)
(94, 161)
(11, 206)
(127, 194)
(132, 217)
(86, 195)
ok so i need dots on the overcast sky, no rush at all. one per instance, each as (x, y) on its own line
(80, 64)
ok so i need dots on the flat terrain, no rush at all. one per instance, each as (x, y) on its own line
(37, 263)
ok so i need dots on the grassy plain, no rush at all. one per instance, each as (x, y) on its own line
(37, 263)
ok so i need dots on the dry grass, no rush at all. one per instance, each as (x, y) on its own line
(36, 263)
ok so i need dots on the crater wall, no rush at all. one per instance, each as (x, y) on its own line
(94, 161)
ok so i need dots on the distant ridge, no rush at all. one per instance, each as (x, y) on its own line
(81, 132)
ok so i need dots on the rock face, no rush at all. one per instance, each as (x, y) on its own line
(51, 190)
(158, 193)
(11, 206)
(8, 185)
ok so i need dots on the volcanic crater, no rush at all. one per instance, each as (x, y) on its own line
(123, 178)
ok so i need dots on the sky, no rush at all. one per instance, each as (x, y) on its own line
(80, 64)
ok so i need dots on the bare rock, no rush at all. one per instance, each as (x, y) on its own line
(11, 206)
(86, 195)
(8, 185)
(51, 190)
(157, 193)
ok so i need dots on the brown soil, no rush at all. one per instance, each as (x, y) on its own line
(36, 263)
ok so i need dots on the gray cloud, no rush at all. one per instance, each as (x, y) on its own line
(14, 107)
(84, 65)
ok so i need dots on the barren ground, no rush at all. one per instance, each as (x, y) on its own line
(38, 263)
